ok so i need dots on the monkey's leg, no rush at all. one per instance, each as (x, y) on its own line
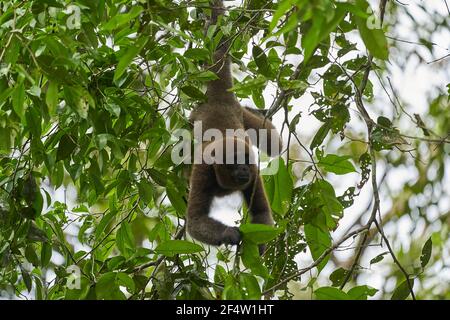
(268, 140)
(258, 206)
(199, 225)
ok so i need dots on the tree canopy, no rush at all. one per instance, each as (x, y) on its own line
(93, 207)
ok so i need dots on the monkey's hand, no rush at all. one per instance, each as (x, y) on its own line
(231, 235)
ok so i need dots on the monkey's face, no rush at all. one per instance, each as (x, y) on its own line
(235, 176)
(240, 173)
(237, 169)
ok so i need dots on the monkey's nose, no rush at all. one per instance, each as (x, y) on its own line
(242, 180)
(241, 176)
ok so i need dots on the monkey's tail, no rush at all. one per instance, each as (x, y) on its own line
(217, 90)
(217, 9)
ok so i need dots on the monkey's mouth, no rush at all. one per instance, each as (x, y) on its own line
(242, 179)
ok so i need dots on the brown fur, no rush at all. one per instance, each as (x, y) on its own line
(222, 111)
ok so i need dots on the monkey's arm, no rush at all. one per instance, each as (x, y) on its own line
(217, 90)
(199, 225)
(258, 112)
(268, 141)
(258, 205)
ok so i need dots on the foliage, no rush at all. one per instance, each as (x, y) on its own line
(91, 93)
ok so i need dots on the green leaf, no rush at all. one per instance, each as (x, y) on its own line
(361, 292)
(246, 86)
(385, 122)
(330, 293)
(126, 281)
(5, 95)
(193, 92)
(320, 29)
(51, 97)
(107, 287)
(173, 247)
(261, 61)
(318, 241)
(232, 290)
(350, 7)
(79, 99)
(220, 274)
(125, 240)
(385, 135)
(102, 140)
(78, 294)
(298, 85)
(145, 191)
(26, 279)
(33, 121)
(280, 186)
(282, 8)
(159, 177)
(5, 142)
(197, 54)
(259, 233)
(337, 276)
(250, 283)
(128, 57)
(36, 234)
(426, 253)
(121, 19)
(38, 202)
(378, 258)
(28, 212)
(57, 176)
(251, 258)
(374, 39)
(30, 254)
(12, 51)
(104, 222)
(289, 25)
(402, 291)
(329, 204)
(18, 100)
(258, 99)
(46, 254)
(205, 76)
(173, 30)
(336, 164)
(176, 199)
(320, 135)
(65, 147)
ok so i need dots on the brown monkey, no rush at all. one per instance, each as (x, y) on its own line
(222, 111)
